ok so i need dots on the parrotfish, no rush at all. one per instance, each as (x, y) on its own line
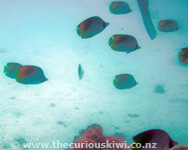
(123, 43)
(124, 81)
(30, 75)
(91, 27)
(168, 26)
(160, 137)
(80, 72)
(183, 55)
(10, 69)
(119, 7)
(143, 5)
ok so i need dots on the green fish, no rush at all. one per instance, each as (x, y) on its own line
(10, 69)
(80, 72)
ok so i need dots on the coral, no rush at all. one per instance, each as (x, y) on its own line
(94, 134)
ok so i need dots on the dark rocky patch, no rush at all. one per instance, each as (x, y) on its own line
(133, 115)
(159, 89)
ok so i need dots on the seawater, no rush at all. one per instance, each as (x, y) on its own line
(43, 33)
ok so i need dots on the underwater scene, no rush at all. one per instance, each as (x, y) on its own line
(94, 71)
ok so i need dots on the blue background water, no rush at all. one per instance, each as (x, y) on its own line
(43, 33)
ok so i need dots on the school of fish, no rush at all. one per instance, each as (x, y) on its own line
(91, 27)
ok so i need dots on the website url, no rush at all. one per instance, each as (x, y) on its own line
(59, 145)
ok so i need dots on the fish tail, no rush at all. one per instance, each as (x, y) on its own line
(115, 83)
(5, 70)
(137, 47)
(111, 8)
(44, 79)
(129, 10)
(79, 31)
(111, 41)
(107, 23)
(159, 27)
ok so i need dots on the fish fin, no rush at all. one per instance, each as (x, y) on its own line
(130, 10)
(110, 41)
(115, 83)
(174, 143)
(111, 8)
(17, 76)
(80, 71)
(159, 27)
(137, 47)
(5, 70)
(18, 79)
(44, 79)
(79, 31)
(106, 24)
(83, 36)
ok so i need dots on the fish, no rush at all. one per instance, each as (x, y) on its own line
(80, 72)
(168, 26)
(30, 75)
(160, 137)
(91, 27)
(124, 81)
(143, 5)
(10, 69)
(119, 7)
(183, 55)
(123, 43)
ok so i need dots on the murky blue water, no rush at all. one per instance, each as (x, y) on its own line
(43, 33)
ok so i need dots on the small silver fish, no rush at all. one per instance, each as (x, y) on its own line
(80, 72)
